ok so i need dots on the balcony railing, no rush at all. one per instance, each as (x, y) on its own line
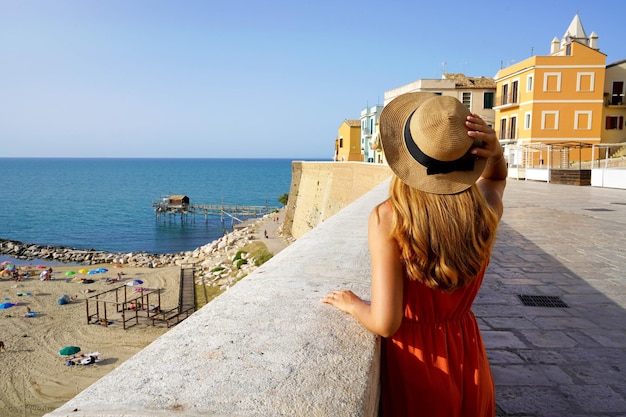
(615, 101)
(507, 100)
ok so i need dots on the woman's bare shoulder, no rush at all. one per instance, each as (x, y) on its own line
(382, 216)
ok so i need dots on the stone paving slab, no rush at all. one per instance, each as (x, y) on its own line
(569, 242)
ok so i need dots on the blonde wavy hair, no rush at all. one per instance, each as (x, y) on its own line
(445, 239)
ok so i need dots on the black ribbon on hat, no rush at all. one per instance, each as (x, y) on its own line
(435, 166)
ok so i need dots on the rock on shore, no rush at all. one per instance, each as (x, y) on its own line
(216, 253)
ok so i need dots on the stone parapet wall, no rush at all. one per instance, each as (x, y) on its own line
(267, 346)
(319, 190)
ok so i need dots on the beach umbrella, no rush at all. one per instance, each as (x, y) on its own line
(6, 305)
(70, 273)
(41, 266)
(135, 282)
(6, 262)
(69, 350)
(102, 270)
(83, 271)
(93, 271)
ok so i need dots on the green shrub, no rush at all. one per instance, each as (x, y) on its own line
(259, 251)
(262, 257)
(238, 255)
(218, 269)
(240, 262)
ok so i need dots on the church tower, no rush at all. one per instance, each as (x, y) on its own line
(576, 33)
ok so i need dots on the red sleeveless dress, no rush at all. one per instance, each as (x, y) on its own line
(435, 365)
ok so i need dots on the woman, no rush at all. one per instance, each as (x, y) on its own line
(430, 245)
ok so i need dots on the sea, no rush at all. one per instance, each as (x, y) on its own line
(106, 203)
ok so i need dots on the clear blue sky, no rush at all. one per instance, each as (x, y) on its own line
(246, 78)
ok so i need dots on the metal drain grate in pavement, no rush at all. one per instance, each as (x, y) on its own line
(542, 301)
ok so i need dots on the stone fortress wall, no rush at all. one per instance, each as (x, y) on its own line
(320, 190)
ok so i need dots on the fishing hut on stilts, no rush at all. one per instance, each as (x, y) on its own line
(171, 207)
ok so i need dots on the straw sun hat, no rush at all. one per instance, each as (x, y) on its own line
(426, 143)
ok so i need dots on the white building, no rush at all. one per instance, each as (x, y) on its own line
(477, 93)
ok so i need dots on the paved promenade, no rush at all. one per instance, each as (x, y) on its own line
(565, 244)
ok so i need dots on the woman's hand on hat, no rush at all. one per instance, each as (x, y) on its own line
(479, 131)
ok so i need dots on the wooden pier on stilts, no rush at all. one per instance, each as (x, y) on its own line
(128, 306)
(175, 206)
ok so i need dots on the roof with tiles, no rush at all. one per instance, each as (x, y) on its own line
(616, 63)
(352, 123)
(461, 80)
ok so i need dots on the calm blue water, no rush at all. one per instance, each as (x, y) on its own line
(106, 204)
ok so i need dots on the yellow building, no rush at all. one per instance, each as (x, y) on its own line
(554, 99)
(613, 129)
(348, 142)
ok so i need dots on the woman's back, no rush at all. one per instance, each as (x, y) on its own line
(427, 305)
(435, 364)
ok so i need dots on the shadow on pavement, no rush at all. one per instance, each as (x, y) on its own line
(551, 361)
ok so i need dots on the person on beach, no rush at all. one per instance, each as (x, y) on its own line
(118, 277)
(76, 356)
(430, 244)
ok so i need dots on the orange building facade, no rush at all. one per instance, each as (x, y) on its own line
(554, 99)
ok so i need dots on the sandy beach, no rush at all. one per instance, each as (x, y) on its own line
(35, 377)
(34, 374)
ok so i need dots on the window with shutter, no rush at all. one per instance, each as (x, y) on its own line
(614, 122)
(617, 96)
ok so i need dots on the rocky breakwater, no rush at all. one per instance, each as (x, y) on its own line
(214, 260)
(27, 251)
